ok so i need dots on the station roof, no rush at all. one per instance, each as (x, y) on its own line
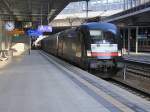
(32, 9)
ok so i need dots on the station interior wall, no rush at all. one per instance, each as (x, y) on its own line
(4, 37)
(16, 44)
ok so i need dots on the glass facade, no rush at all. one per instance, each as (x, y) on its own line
(101, 5)
(94, 5)
(133, 3)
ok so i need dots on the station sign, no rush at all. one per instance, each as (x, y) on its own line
(44, 28)
(34, 33)
(16, 32)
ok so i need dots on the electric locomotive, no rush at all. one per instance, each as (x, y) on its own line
(92, 46)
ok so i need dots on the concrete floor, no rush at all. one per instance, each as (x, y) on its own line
(33, 84)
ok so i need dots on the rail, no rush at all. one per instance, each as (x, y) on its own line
(138, 67)
(138, 70)
(135, 74)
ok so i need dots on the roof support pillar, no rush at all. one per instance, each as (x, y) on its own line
(129, 37)
(136, 45)
(87, 8)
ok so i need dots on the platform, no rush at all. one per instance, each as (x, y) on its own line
(41, 83)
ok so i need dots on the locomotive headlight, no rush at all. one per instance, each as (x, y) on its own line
(119, 53)
(89, 53)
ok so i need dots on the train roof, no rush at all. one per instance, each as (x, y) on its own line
(102, 26)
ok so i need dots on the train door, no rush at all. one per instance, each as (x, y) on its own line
(60, 45)
(57, 44)
(84, 46)
(67, 48)
(79, 48)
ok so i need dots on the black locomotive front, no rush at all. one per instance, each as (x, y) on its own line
(102, 47)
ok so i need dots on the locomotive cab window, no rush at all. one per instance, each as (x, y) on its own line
(98, 35)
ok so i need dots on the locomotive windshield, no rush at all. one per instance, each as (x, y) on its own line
(98, 35)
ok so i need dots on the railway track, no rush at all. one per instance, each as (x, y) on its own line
(135, 77)
(139, 71)
(133, 90)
